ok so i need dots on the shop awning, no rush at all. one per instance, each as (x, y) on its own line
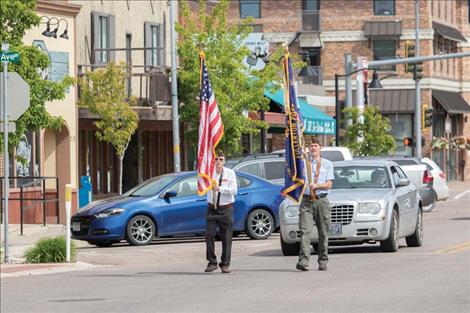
(448, 32)
(382, 29)
(453, 102)
(391, 100)
(315, 121)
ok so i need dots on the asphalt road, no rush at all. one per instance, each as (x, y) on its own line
(168, 276)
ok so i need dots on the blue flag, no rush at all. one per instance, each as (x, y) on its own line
(295, 172)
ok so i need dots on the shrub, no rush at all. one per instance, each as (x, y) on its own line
(49, 250)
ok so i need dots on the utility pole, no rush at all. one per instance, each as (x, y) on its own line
(417, 121)
(174, 90)
(347, 84)
(6, 184)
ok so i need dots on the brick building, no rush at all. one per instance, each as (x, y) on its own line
(324, 30)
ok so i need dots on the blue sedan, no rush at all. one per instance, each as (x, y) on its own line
(169, 205)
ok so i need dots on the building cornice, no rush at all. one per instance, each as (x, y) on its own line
(408, 83)
(358, 35)
(58, 7)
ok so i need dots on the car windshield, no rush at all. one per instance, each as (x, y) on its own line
(150, 187)
(350, 177)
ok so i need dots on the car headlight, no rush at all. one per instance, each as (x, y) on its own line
(292, 211)
(109, 212)
(369, 207)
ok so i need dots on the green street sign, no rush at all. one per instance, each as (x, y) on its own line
(10, 57)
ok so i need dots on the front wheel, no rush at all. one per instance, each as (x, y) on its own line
(259, 224)
(140, 230)
(416, 240)
(391, 243)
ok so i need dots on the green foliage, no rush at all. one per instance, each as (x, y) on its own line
(375, 131)
(49, 250)
(104, 93)
(236, 88)
(17, 16)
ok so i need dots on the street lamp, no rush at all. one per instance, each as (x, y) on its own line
(375, 83)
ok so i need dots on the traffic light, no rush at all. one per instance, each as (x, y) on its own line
(409, 53)
(418, 71)
(408, 142)
(427, 116)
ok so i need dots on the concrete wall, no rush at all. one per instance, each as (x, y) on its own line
(65, 108)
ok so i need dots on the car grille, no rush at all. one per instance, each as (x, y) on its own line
(342, 214)
(84, 225)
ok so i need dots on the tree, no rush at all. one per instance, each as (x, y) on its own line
(375, 132)
(16, 17)
(104, 93)
(237, 89)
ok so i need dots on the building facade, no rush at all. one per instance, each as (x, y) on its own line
(134, 34)
(323, 31)
(46, 160)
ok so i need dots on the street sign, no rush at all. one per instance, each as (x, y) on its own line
(17, 96)
(9, 56)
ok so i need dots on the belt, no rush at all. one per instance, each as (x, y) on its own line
(225, 206)
(323, 195)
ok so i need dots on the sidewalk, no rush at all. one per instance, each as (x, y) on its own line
(18, 244)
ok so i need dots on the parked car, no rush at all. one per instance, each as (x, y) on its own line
(331, 153)
(169, 205)
(439, 179)
(363, 209)
(420, 174)
(271, 166)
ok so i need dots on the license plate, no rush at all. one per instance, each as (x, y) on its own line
(76, 226)
(335, 229)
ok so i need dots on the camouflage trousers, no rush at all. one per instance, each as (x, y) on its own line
(318, 212)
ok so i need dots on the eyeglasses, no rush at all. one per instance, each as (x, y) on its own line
(219, 159)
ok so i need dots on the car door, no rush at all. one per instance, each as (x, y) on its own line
(186, 212)
(401, 196)
(242, 202)
(409, 214)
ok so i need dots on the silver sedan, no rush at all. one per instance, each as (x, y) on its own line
(371, 201)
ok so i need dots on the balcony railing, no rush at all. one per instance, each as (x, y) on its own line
(148, 83)
(311, 21)
(316, 79)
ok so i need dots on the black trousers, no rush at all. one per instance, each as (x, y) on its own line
(222, 218)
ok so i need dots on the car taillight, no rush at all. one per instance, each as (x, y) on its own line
(427, 179)
(442, 175)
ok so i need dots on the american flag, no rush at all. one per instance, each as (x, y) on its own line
(211, 130)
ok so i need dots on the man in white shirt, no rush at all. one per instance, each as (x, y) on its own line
(220, 213)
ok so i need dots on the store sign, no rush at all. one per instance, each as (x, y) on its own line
(259, 48)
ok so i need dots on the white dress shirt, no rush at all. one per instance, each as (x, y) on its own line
(228, 188)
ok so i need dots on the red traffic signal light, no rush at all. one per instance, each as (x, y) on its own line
(408, 141)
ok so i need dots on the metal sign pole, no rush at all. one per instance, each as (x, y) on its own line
(6, 185)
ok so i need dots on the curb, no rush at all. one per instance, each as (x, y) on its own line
(28, 269)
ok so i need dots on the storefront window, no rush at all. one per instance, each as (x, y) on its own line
(402, 127)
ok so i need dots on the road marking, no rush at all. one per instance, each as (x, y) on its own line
(460, 195)
(454, 249)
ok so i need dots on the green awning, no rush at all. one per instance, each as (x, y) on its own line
(315, 121)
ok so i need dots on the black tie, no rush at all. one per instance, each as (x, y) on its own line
(220, 184)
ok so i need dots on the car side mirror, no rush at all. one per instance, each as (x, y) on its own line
(169, 194)
(403, 182)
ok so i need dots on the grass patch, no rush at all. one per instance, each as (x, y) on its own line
(49, 250)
